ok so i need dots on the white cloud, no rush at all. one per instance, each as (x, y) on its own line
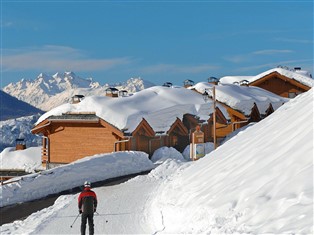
(274, 64)
(271, 52)
(252, 55)
(237, 58)
(294, 40)
(175, 69)
(52, 58)
(5, 24)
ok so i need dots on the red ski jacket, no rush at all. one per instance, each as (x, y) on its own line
(86, 194)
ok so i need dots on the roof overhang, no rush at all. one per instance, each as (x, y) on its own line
(279, 76)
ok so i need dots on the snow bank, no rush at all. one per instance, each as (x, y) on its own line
(28, 159)
(258, 182)
(95, 168)
(165, 153)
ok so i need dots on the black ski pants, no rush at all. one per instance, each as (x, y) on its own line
(90, 218)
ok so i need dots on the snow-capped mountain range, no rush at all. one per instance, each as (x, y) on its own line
(47, 92)
(13, 129)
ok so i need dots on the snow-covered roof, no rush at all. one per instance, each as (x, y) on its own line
(234, 79)
(242, 98)
(298, 75)
(159, 105)
(301, 76)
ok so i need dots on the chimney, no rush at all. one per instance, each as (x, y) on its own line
(20, 144)
(112, 92)
(123, 93)
(187, 83)
(77, 99)
(167, 84)
(213, 80)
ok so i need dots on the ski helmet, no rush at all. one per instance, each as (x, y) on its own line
(87, 184)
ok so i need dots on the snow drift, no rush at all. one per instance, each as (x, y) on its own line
(261, 181)
(95, 168)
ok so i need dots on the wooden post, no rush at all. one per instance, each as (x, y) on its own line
(197, 138)
(214, 118)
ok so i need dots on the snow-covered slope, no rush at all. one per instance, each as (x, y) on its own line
(259, 182)
(47, 92)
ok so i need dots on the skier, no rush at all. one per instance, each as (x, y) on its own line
(87, 203)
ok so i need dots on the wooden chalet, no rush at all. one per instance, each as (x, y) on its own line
(283, 81)
(72, 136)
(207, 126)
(280, 85)
(237, 117)
(177, 137)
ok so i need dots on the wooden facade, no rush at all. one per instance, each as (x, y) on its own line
(207, 127)
(178, 135)
(280, 85)
(141, 137)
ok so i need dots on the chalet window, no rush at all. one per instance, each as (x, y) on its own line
(292, 94)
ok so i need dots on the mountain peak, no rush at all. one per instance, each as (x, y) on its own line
(43, 75)
(69, 74)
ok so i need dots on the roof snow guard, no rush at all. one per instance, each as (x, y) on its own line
(74, 117)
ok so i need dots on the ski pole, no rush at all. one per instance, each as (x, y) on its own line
(75, 220)
(99, 214)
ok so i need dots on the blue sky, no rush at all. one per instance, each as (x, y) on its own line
(160, 41)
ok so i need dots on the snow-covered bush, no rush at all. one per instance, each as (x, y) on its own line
(164, 153)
